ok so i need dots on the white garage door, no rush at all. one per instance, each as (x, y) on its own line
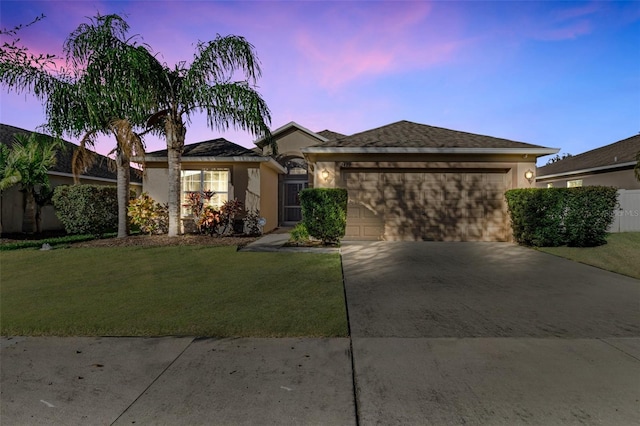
(433, 206)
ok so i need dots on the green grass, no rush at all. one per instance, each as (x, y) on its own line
(621, 254)
(178, 291)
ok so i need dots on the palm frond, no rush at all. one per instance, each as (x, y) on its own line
(83, 158)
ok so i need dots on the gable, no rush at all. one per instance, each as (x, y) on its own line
(406, 134)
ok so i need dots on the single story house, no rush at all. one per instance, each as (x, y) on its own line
(610, 165)
(406, 181)
(12, 199)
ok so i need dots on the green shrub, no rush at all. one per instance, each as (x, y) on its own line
(537, 216)
(253, 223)
(87, 209)
(324, 213)
(149, 216)
(590, 211)
(299, 234)
(549, 217)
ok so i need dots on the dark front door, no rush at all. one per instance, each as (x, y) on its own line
(291, 210)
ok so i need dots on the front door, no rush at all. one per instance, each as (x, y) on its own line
(291, 209)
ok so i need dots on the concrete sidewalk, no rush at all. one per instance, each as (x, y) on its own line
(275, 241)
(102, 381)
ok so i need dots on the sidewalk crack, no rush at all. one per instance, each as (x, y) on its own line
(152, 382)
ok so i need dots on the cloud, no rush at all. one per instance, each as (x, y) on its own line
(353, 42)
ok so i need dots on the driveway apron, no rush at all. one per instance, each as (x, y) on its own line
(490, 333)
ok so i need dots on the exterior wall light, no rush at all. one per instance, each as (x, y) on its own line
(325, 174)
(528, 175)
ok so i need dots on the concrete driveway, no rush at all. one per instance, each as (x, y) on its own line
(490, 333)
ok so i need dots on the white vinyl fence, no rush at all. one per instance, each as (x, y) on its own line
(627, 214)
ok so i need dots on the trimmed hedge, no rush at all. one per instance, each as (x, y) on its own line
(324, 213)
(87, 209)
(550, 217)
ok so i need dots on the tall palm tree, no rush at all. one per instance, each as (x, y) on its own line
(111, 97)
(206, 86)
(104, 92)
(28, 163)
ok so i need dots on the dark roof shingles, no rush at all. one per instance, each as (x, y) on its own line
(212, 148)
(623, 151)
(406, 134)
(329, 134)
(100, 169)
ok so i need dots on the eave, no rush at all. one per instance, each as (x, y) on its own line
(400, 150)
(239, 159)
(588, 170)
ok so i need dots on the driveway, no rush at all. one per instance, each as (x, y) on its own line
(490, 333)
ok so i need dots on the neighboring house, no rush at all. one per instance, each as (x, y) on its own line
(408, 181)
(12, 203)
(610, 165)
(230, 170)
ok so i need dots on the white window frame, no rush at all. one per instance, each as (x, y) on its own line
(220, 196)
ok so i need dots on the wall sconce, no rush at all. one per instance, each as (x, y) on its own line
(528, 175)
(324, 174)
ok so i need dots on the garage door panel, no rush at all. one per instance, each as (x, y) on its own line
(430, 206)
(363, 223)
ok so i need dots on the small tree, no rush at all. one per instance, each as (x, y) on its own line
(27, 163)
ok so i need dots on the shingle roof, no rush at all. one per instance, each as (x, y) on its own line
(620, 152)
(406, 134)
(63, 158)
(330, 134)
(212, 148)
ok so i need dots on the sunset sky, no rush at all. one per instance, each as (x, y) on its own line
(555, 73)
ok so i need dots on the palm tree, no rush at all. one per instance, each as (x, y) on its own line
(106, 92)
(206, 86)
(28, 163)
(111, 97)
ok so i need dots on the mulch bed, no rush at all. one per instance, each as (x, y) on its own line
(158, 241)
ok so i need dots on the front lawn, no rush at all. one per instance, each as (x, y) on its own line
(621, 254)
(177, 290)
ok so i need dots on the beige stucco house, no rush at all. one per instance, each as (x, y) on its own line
(12, 199)
(230, 170)
(406, 181)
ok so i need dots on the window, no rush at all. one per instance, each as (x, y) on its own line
(550, 185)
(574, 183)
(216, 180)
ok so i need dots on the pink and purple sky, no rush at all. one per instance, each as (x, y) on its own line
(554, 73)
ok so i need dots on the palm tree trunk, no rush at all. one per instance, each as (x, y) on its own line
(123, 180)
(175, 133)
(29, 214)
